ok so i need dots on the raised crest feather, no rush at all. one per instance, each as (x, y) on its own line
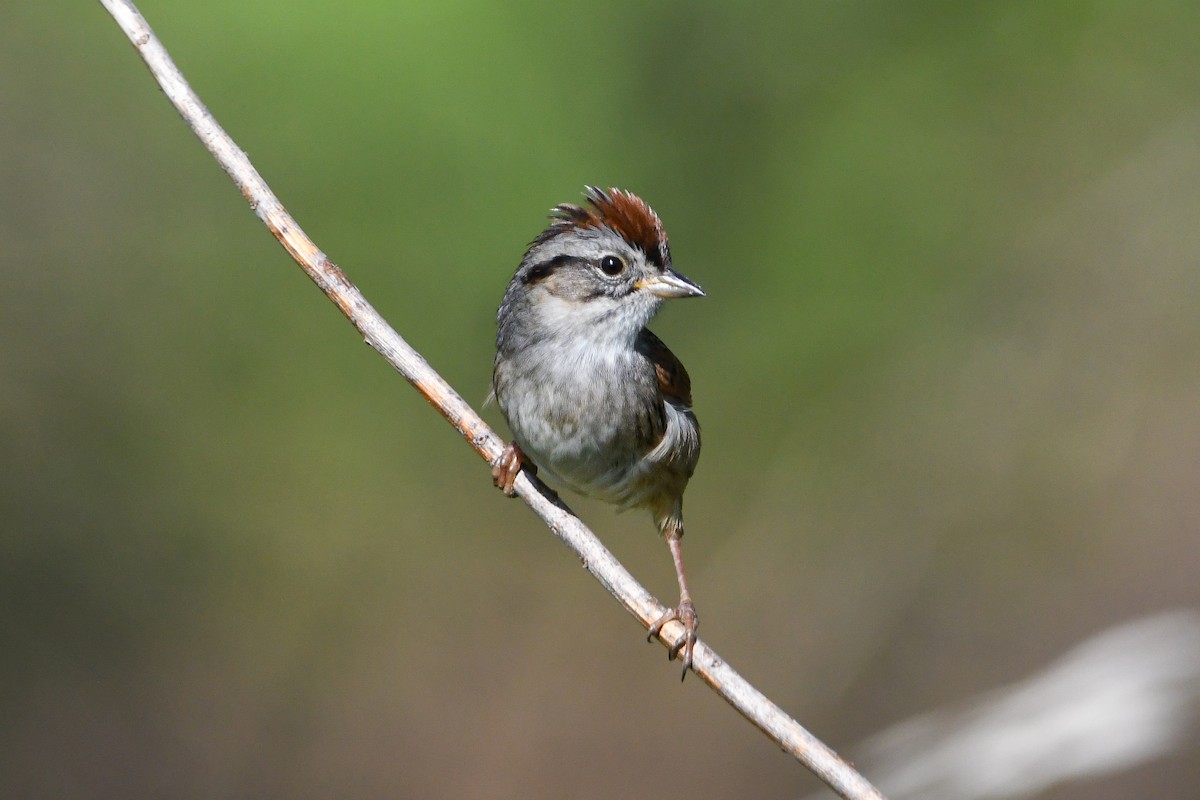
(622, 212)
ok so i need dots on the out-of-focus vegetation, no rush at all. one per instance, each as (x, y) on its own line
(948, 372)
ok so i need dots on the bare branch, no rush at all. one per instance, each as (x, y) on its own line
(751, 703)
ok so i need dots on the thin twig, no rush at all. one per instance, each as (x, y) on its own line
(751, 703)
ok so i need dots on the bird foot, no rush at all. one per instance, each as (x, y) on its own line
(506, 468)
(686, 615)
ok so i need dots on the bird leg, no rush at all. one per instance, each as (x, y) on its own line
(685, 613)
(507, 466)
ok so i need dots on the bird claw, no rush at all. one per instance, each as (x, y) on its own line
(506, 468)
(685, 614)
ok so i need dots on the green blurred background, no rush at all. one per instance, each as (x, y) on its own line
(948, 371)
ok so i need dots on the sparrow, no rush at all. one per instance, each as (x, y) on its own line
(591, 395)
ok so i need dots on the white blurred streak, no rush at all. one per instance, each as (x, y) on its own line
(1121, 698)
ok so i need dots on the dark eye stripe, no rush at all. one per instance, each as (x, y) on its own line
(542, 270)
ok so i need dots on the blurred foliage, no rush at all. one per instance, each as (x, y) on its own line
(947, 372)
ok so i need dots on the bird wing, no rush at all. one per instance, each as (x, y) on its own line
(673, 380)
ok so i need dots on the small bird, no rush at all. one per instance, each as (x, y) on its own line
(591, 395)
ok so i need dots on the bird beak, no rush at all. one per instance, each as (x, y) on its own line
(668, 285)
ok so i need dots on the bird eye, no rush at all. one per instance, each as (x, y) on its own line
(612, 265)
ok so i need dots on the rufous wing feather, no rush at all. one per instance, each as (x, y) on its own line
(673, 380)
